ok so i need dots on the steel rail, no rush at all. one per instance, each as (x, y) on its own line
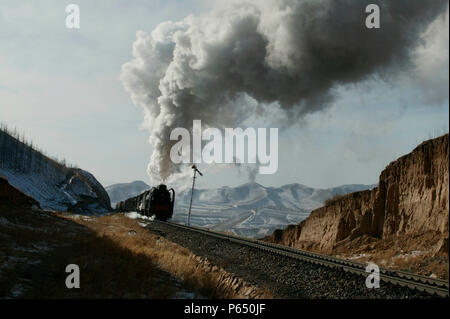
(402, 278)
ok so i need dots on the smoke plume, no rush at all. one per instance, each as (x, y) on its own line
(287, 52)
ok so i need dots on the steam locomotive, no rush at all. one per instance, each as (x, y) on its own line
(158, 202)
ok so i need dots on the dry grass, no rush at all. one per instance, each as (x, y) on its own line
(26, 236)
(195, 272)
(36, 247)
(416, 254)
(423, 264)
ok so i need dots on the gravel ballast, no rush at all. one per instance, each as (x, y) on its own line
(285, 277)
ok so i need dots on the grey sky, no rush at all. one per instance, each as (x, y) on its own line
(61, 88)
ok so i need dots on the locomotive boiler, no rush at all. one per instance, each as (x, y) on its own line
(158, 202)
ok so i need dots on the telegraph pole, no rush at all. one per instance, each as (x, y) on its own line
(192, 192)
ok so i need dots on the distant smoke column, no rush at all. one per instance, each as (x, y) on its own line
(289, 52)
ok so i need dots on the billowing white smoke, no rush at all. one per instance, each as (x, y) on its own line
(285, 52)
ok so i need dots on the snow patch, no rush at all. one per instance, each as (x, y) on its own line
(135, 215)
(52, 190)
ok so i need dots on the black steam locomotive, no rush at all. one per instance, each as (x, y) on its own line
(157, 202)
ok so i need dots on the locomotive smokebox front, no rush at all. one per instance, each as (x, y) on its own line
(162, 201)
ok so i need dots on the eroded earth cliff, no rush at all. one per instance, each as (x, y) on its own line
(402, 223)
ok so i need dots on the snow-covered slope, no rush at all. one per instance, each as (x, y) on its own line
(75, 190)
(54, 185)
(253, 210)
(120, 192)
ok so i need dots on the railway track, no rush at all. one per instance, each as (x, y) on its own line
(405, 279)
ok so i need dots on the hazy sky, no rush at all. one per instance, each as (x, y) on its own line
(61, 88)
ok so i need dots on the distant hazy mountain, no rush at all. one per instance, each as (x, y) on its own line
(120, 192)
(254, 210)
(250, 210)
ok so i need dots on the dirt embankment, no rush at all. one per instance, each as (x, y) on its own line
(11, 195)
(404, 218)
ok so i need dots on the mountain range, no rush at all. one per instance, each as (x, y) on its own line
(250, 210)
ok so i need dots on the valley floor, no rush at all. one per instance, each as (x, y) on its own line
(117, 259)
(285, 277)
(122, 257)
(36, 247)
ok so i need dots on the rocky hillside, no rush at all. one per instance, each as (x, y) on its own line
(49, 181)
(411, 204)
